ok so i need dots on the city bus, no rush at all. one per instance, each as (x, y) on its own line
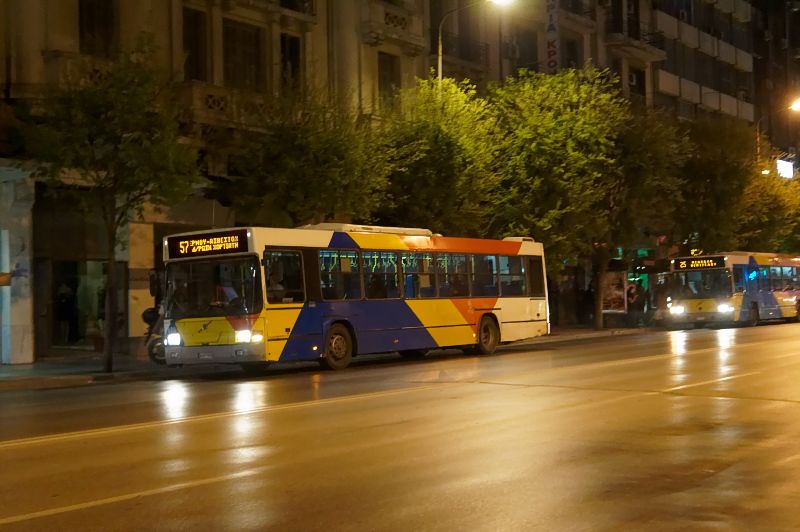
(328, 292)
(733, 288)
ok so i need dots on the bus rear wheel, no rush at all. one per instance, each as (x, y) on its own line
(488, 337)
(338, 348)
(752, 316)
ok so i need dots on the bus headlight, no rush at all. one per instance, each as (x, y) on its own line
(724, 308)
(174, 338)
(677, 309)
(257, 338)
(243, 337)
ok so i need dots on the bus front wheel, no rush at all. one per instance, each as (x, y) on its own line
(338, 348)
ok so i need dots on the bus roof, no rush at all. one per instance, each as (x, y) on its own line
(357, 237)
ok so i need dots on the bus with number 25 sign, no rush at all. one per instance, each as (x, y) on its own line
(329, 292)
(733, 288)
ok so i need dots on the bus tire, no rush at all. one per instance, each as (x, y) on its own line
(752, 315)
(797, 312)
(338, 348)
(413, 354)
(488, 337)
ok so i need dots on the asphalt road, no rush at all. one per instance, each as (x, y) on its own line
(663, 431)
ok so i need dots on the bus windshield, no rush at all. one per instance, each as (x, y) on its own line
(216, 287)
(701, 284)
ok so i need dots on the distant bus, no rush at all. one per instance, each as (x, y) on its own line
(733, 288)
(329, 292)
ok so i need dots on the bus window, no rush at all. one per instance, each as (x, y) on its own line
(763, 278)
(380, 275)
(512, 276)
(452, 273)
(739, 279)
(484, 275)
(536, 276)
(789, 281)
(419, 279)
(339, 274)
(776, 282)
(284, 273)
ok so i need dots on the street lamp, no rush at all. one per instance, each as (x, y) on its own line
(501, 3)
(795, 107)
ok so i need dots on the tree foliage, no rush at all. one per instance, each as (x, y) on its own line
(560, 157)
(114, 127)
(768, 213)
(716, 176)
(446, 170)
(307, 161)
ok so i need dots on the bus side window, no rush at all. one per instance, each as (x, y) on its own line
(763, 278)
(340, 276)
(418, 275)
(512, 276)
(776, 283)
(788, 278)
(284, 275)
(739, 279)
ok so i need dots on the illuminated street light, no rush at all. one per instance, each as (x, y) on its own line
(500, 3)
(795, 105)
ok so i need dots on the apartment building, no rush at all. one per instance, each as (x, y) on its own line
(692, 56)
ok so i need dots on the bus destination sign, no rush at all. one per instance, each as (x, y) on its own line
(700, 263)
(204, 244)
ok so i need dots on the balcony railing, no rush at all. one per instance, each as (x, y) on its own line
(301, 6)
(635, 30)
(579, 7)
(462, 47)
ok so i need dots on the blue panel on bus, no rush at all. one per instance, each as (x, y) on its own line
(382, 326)
(343, 241)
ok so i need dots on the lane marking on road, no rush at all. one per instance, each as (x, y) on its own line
(711, 381)
(129, 496)
(219, 415)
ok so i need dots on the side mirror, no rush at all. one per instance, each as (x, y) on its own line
(154, 288)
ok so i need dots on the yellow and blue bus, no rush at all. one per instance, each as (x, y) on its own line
(733, 288)
(328, 292)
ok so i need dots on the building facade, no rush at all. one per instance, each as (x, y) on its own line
(691, 56)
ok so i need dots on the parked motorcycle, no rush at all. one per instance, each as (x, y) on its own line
(153, 340)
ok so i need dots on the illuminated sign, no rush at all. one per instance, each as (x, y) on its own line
(699, 263)
(785, 169)
(696, 252)
(203, 244)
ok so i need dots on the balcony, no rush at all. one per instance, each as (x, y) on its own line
(463, 49)
(577, 15)
(629, 37)
(305, 7)
(214, 105)
(391, 22)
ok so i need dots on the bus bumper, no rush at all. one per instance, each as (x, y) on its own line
(215, 354)
(697, 319)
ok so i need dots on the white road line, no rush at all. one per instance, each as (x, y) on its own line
(712, 381)
(128, 496)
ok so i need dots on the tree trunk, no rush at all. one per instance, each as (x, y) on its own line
(110, 325)
(601, 256)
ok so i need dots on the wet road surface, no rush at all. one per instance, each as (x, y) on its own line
(669, 430)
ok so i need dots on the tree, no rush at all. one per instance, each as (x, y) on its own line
(310, 161)
(446, 167)
(715, 176)
(561, 158)
(768, 213)
(113, 127)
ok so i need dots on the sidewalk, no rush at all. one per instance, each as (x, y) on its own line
(82, 369)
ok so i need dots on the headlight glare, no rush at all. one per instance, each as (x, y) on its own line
(257, 338)
(724, 308)
(677, 309)
(174, 338)
(243, 337)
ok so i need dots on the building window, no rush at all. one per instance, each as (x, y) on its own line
(388, 77)
(195, 49)
(291, 67)
(242, 50)
(96, 27)
(527, 50)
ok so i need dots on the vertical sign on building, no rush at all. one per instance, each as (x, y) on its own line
(551, 35)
